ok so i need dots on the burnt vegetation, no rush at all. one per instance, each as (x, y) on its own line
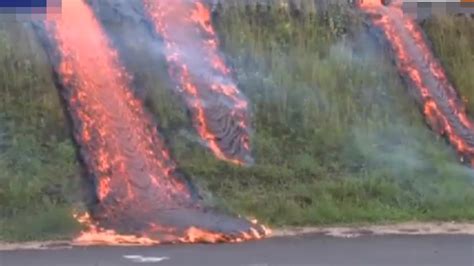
(336, 136)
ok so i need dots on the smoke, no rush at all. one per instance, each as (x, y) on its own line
(398, 145)
(140, 52)
(140, 36)
(219, 110)
(377, 144)
(384, 130)
(384, 145)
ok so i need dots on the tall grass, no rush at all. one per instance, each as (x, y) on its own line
(37, 162)
(453, 41)
(337, 137)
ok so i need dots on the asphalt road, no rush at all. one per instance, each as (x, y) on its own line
(294, 251)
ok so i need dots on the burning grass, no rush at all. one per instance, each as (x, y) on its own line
(457, 56)
(337, 137)
(120, 147)
(220, 111)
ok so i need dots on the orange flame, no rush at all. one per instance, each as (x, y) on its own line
(98, 236)
(94, 235)
(119, 143)
(443, 109)
(192, 19)
(103, 103)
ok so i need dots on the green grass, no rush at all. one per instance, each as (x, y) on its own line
(453, 39)
(49, 223)
(38, 168)
(337, 138)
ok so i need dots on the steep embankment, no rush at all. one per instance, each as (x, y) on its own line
(342, 135)
(452, 39)
(39, 177)
(337, 139)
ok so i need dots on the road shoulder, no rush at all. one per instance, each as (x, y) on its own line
(409, 228)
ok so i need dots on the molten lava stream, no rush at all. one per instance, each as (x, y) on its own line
(443, 109)
(142, 200)
(220, 111)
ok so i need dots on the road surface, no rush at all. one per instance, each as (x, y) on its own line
(294, 251)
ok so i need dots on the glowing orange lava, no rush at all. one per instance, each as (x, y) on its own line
(120, 146)
(191, 49)
(119, 137)
(94, 235)
(443, 109)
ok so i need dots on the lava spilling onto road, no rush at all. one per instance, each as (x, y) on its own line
(220, 111)
(142, 199)
(443, 108)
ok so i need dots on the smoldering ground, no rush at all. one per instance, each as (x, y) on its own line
(112, 211)
(378, 135)
(399, 147)
(355, 120)
(132, 30)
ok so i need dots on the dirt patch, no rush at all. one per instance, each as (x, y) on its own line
(411, 228)
(35, 245)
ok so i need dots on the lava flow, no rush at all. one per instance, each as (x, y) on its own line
(220, 111)
(444, 110)
(142, 200)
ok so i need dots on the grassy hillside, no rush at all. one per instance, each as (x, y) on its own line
(336, 137)
(453, 41)
(37, 163)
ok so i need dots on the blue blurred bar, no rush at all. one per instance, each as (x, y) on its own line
(23, 4)
(27, 8)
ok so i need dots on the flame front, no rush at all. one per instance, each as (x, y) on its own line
(96, 235)
(136, 179)
(442, 107)
(220, 111)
